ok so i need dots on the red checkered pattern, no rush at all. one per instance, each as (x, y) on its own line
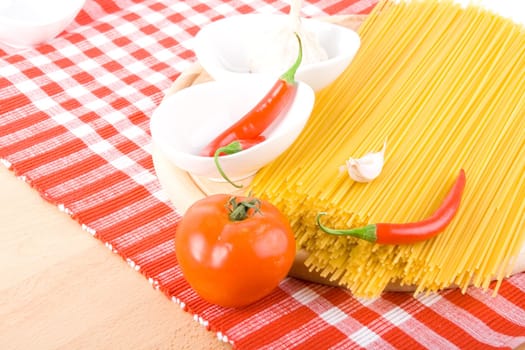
(74, 117)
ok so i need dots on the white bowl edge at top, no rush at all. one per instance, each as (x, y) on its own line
(220, 47)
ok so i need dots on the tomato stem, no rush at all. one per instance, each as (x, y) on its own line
(232, 148)
(238, 211)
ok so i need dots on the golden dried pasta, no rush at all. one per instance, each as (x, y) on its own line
(445, 85)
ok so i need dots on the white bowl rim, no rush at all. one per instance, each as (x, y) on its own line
(179, 156)
(60, 16)
(220, 65)
(281, 16)
(167, 145)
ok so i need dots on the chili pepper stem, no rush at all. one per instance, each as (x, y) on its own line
(368, 232)
(289, 75)
(231, 148)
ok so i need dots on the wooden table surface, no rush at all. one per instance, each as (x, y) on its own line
(62, 289)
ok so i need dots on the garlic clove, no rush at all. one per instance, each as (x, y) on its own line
(366, 168)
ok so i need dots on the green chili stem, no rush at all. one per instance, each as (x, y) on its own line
(367, 232)
(231, 148)
(289, 75)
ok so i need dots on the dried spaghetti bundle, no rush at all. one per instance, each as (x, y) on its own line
(445, 85)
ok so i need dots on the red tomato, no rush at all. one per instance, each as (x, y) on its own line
(233, 263)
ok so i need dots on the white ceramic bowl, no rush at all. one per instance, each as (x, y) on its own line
(220, 47)
(189, 119)
(24, 23)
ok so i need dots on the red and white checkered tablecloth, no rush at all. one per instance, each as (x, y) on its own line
(74, 117)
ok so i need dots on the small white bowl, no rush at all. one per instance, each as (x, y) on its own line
(220, 47)
(188, 120)
(25, 23)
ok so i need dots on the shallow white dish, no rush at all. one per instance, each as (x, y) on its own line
(189, 119)
(220, 47)
(25, 23)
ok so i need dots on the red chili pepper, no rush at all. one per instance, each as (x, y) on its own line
(410, 232)
(275, 103)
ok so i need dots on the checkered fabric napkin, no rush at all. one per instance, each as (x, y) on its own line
(74, 117)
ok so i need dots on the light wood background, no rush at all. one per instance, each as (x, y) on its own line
(62, 289)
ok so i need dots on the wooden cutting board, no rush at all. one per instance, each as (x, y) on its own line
(184, 189)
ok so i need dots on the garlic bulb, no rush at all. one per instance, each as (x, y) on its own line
(275, 49)
(366, 168)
